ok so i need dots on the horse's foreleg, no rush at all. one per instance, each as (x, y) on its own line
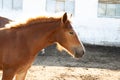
(21, 76)
(8, 74)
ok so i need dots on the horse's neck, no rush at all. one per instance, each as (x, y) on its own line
(39, 36)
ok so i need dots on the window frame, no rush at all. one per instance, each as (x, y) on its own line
(12, 5)
(106, 6)
(71, 11)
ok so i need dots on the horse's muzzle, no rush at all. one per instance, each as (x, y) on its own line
(78, 53)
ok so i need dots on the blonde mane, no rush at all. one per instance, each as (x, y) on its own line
(31, 21)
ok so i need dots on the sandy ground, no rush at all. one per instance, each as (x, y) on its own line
(99, 63)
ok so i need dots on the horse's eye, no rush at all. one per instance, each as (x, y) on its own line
(71, 33)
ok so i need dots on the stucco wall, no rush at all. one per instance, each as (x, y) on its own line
(90, 28)
(93, 29)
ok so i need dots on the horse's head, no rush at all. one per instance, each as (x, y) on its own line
(68, 39)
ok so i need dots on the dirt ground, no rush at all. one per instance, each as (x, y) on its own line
(99, 63)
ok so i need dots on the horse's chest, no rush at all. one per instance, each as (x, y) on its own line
(24, 66)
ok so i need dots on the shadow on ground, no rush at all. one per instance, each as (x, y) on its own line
(95, 57)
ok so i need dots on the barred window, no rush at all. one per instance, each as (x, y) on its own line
(109, 8)
(11, 4)
(54, 6)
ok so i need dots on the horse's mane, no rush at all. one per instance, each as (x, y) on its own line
(32, 21)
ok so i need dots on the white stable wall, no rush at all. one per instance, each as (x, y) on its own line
(91, 29)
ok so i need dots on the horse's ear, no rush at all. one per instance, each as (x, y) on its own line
(64, 18)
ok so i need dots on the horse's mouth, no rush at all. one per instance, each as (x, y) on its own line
(78, 53)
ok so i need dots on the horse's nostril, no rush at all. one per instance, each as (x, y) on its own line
(83, 52)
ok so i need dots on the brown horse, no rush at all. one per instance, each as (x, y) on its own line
(4, 21)
(20, 43)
